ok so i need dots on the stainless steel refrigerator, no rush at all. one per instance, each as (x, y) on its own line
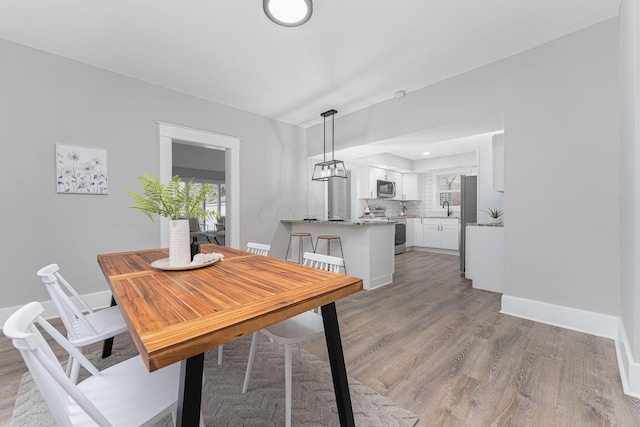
(468, 212)
(339, 192)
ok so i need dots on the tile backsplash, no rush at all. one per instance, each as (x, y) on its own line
(426, 206)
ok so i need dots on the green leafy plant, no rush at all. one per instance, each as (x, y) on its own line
(174, 200)
(494, 212)
(403, 206)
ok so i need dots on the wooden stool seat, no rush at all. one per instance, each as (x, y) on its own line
(300, 234)
(329, 238)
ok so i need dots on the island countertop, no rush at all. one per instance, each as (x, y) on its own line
(337, 223)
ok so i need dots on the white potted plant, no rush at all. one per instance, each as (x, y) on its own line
(495, 215)
(177, 201)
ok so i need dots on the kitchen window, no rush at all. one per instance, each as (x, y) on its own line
(448, 189)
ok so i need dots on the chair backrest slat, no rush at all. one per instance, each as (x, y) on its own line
(322, 262)
(258, 248)
(72, 317)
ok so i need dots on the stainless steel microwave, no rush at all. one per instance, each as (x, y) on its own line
(386, 189)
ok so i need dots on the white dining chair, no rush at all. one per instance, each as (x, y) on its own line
(84, 325)
(125, 394)
(257, 249)
(303, 327)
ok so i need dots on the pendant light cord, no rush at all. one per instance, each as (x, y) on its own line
(324, 138)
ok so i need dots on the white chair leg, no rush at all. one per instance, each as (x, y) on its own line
(220, 355)
(300, 352)
(252, 356)
(75, 371)
(287, 384)
(69, 364)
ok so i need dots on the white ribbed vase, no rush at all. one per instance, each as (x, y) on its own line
(179, 249)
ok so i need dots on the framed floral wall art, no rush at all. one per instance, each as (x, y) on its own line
(81, 170)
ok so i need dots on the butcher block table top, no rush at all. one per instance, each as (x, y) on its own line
(174, 315)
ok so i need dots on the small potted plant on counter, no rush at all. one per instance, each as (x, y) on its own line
(403, 209)
(495, 215)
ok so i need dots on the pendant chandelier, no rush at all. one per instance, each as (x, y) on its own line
(329, 169)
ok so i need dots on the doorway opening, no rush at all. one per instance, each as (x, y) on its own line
(219, 147)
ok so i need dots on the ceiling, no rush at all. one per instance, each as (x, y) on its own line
(350, 55)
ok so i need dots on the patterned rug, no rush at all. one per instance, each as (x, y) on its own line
(263, 405)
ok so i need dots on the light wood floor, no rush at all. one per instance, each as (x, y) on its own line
(439, 348)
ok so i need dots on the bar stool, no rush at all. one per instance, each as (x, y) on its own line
(329, 238)
(300, 235)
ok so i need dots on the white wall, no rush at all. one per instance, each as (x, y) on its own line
(629, 186)
(561, 109)
(47, 100)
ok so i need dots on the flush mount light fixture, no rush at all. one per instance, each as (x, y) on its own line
(329, 169)
(288, 13)
(426, 153)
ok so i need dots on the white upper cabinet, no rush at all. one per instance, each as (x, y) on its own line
(409, 187)
(367, 183)
(368, 179)
(498, 162)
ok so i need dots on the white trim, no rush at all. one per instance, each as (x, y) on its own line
(380, 281)
(589, 322)
(231, 145)
(629, 369)
(95, 300)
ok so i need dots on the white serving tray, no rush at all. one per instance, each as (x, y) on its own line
(163, 264)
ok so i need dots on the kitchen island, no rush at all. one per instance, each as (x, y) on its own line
(368, 246)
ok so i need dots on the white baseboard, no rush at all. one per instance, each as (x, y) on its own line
(598, 324)
(379, 281)
(629, 370)
(589, 322)
(95, 300)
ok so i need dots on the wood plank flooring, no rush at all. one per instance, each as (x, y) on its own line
(438, 347)
(441, 349)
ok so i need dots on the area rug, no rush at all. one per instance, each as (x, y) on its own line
(224, 404)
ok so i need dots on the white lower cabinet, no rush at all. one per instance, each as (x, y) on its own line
(431, 229)
(418, 233)
(449, 234)
(436, 233)
(411, 226)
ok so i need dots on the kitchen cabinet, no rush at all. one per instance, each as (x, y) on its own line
(409, 187)
(449, 234)
(498, 162)
(411, 226)
(368, 179)
(436, 233)
(418, 231)
(431, 230)
(367, 183)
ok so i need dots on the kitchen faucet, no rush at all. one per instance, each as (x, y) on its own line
(448, 211)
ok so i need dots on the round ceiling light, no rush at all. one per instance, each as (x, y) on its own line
(288, 13)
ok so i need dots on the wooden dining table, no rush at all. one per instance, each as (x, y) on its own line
(176, 316)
